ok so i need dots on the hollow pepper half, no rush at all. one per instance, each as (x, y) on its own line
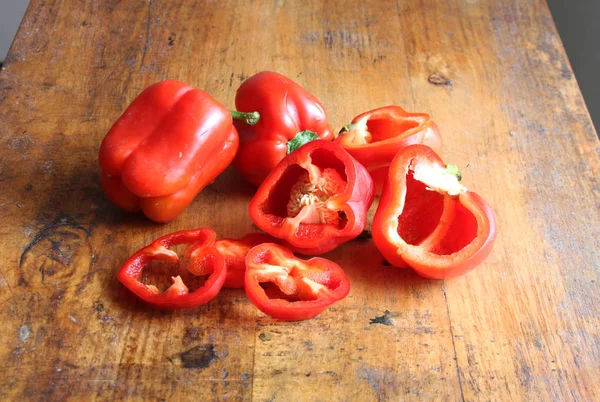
(376, 136)
(202, 259)
(167, 146)
(285, 109)
(428, 221)
(288, 288)
(315, 199)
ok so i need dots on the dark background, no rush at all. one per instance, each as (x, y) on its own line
(579, 27)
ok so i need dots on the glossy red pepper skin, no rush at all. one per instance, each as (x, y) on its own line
(285, 109)
(437, 234)
(294, 289)
(349, 204)
(375, 137)
(209, 261)
(234, 253)
(167, 146)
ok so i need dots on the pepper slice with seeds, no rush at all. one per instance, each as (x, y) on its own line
(315, 199)
(288, 288)
(309, 199)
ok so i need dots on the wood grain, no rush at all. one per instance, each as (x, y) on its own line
(493, 74)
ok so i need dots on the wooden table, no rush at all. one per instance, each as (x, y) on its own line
(524, 326)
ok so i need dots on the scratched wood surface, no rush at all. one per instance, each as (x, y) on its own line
(494, 76)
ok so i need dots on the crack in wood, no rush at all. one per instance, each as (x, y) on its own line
(460, 387)
(147, 34)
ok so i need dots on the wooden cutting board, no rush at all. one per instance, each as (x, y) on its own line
(493, 74)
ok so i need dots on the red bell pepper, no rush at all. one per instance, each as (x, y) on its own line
(288, 288)
(208, 262)
(427, 220)
(375, 137)
(234, 252)
(167, 146)
(315, 199)
(285, 109)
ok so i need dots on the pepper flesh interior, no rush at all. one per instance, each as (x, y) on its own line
(275, 206)
(293, 281)
(383, 128)
(309, 198)
(423, 209)
(462, 231)
(160, 275)
(378, 129)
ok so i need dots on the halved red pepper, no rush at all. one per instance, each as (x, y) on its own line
(427, 220)
(167, 146)
(376, 136)
(202, 259)
(234, 252)
(285, 109)
(288, 288)
(315, 199)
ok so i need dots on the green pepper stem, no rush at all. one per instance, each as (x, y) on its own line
(348, 128)
(301, 138)
(250, 118)
(454, 171)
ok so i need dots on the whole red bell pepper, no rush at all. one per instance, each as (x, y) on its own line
(234, 252)
(285, 109)
(428, 221)
(288, 288)
(375, 137)
(315, 199)
(207, 262)
(167, 146)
